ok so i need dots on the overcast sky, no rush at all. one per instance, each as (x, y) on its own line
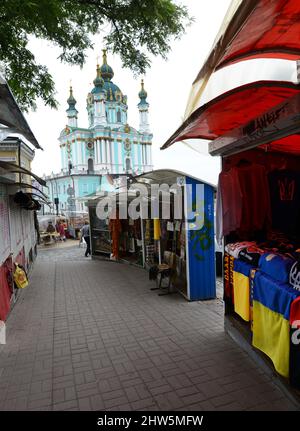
(167, 82)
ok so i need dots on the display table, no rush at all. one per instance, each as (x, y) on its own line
(48, 238)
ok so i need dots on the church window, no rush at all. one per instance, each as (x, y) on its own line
(118, 117)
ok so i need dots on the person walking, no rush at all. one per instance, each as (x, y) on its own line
(61, 231)
(85, 233)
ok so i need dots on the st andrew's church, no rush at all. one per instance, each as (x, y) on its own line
(107, 149)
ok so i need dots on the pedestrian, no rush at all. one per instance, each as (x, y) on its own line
(50, 228)
(61, 231)
(85, 233)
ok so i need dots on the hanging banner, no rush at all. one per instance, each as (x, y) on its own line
(4, 225)
(16, 228)
(2, 333)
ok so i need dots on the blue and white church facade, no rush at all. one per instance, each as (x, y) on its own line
(108, 148)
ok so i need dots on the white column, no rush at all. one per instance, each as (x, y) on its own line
(113, 157)
(135, 155)
(149, 154)
(142, 150)
(79, 152)
(120, 166)
(150, 149)
(103, 121)
(62, 157)
(95, 152)
(103, 151)
(108, 151)
(83, 155)
(75, 163)
(98, 151)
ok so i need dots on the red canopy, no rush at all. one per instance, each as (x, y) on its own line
(271, 29)
(258, 29)
(233, 109)
(289, 144)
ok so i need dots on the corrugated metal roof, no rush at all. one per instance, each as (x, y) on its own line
(12, 116)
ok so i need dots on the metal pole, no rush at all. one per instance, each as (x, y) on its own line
(52, 193)
(143, 239)
(19, 159)
(159, 252)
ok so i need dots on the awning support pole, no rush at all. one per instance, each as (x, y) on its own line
(143, 239)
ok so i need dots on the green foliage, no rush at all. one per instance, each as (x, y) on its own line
(133, 29)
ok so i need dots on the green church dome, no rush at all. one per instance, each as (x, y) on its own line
(107, 72)
(98, 81)
(71, 99)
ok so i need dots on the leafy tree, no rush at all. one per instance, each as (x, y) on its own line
(132, 28)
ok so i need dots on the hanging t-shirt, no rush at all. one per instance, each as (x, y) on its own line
(256, 210)
(229, 204)
(243, 201)
(285, 200)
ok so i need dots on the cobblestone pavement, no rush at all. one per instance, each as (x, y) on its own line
(91, 335)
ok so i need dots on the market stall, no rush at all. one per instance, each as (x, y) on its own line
(258, 213)
(255, 129)
(179, 243)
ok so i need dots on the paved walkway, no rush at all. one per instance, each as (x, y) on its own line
(90, 335)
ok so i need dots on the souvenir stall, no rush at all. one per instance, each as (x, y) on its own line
(119, 239)
(255, 128)
(185, 242)
(258, 214)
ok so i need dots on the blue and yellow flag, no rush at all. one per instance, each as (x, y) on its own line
(271, 311)
(241, 288)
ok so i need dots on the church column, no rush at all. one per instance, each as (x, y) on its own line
(102, 114)
(100, 160)
(135, 156)
(100, 151)
(96, 155)
(120, 157)
(62, 157)
(113, 157)
(108, 151)
(103, 151)
(142, 154)
(150, 154)
(79, 153)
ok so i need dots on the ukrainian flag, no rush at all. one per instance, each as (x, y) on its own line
(241, 288)
(271, 312)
